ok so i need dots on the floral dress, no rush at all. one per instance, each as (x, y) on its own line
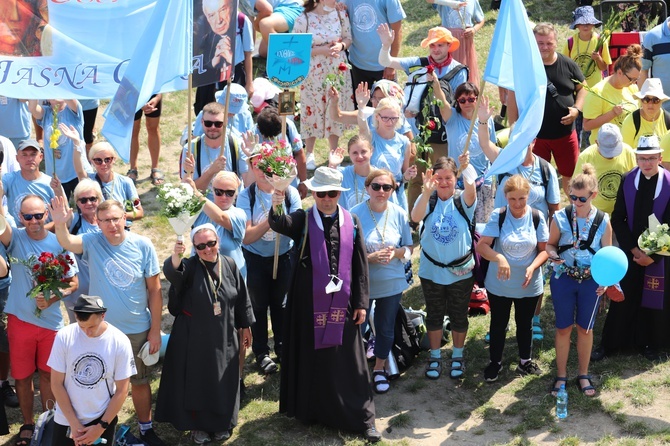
(326, 29)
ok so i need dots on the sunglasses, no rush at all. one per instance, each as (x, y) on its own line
(330, 193)
(107, 160)
(653, 100)
(84, 200)
(221, 192)
(217, 124)
(632, 80)
(393, 119)
(28, 217)
(464, 100)
(376, 187)
(209, 244)
(582, 199)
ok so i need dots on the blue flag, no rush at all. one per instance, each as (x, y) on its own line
(161, 57)
(515, 63)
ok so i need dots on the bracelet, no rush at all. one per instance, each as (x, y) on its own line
(482, 123)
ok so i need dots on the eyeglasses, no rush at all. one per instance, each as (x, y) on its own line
(209, 244)
(632, 80)
(470, 100)
(107, 160)
(376, 187)
(217, 124)
(392, 119)
(582, 199)
(221, 192)
(114, 220)
(653, 100)
(330, 193)
(652, 159)
(28, 217)
(84, 200)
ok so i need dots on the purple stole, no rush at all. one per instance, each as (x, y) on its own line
(653, 288)
(330, 310)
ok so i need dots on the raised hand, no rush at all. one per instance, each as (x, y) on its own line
(335, 157)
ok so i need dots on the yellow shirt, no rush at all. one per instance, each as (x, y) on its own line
(647, 128)
(608, 171)
(581, 53)
(595, 106)
(665, 145)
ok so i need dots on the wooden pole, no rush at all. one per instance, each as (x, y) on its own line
(225, 121)
(472, 122)
(189, 113)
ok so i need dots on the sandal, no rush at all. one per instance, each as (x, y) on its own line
(587, 387)
(157, 177)
(132, 174)
(457, 368)
(538, 335)
(555, 387)
(434, 365)
(25, 441)
(379, 380)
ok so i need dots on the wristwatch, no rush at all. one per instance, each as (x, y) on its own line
(104, 424)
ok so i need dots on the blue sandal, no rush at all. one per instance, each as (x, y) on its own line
(587, 387)
(555, 387)
(457, 368)
(434, 365)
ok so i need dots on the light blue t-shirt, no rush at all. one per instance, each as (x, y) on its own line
(64, 165)
(365, 17)
(471, 14)
(408, 63)
(517, 240)
(18, 304)
(356, 185)
(244, 41)
(536, 197)
(15, 119)
(121, 188)
(457, 134)
(84, 274)
(390, 154)
(446, 237)
(265, 246)
(209, 154)
(572, 256)
(230, 242)
(16, 188)
(385, 279)
(118, 275)
(657, 59)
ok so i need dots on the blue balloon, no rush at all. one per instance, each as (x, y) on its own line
(608, 266)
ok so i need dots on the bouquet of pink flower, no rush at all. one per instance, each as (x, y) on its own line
(279, 167)
(48, 272)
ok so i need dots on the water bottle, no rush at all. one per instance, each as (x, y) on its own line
(562, 403)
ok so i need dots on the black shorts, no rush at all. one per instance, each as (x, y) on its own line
(155, 114)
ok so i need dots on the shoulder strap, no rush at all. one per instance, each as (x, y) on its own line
(77, 226)
(568, 216)
(502, 214)
(536, 217)
(252, 199)
(196, 145)
(459, 207)
(232, 145)
(666, 116)
(571, 41)
(544, 172)
(432, 202)
(501, 176)
(454, 71)
(592, 231)
(424, 61)
(636, 121)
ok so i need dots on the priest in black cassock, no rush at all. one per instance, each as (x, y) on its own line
(642, 320)
(324, 372)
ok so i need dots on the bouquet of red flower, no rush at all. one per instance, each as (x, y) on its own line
(337, 80)
(429, 124)
(48, 272)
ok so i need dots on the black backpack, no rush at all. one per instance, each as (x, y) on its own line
(439, 135)
(405, 340)
(544, 172)
(637, 120)
(584, 244)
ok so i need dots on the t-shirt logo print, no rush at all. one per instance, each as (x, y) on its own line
(445, 231)
(118, 274)
(364, 18)
(89, 370)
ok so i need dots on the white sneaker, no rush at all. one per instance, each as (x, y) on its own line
(311, 164)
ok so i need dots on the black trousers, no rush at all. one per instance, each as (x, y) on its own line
(524, 309)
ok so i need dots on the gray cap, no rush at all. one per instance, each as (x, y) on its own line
(89, 304)
(610, 142)
(28, 143)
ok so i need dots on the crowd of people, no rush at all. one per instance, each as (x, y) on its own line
(341, 267)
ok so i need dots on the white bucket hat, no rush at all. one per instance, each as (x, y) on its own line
(652, 87)
(648, 145)
(325, 179)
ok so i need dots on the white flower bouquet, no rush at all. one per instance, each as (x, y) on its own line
(655, 239)
(180, 205)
